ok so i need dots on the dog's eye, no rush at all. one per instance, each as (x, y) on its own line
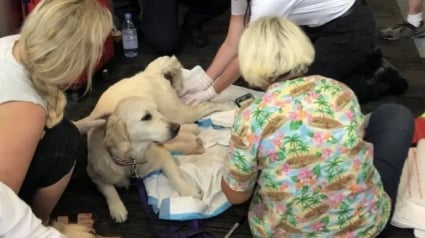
(146, 117)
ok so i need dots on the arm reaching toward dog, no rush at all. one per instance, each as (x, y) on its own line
(224, 69)
(90, 122)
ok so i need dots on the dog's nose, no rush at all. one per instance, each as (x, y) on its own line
(174, 128)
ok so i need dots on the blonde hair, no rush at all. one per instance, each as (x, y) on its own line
(60, 40)
(272, 49)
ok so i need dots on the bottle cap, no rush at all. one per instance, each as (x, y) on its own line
(127, 16)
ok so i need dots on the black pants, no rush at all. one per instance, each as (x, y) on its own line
(342, 45)
(160, 25)
(390, 130)
(54, 157)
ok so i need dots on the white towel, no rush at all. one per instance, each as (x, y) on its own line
(409, 211)
(203, 171)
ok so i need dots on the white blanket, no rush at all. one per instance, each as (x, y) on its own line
(410, 206)
(203, 171)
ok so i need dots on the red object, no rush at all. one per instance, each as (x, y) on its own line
(419, 129)
(108, 48)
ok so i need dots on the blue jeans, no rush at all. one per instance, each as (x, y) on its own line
(390, 130)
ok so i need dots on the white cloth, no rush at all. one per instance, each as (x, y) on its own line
(15, 84)
(203, 171)
(302, 12)
(17, 219)
(409, 211)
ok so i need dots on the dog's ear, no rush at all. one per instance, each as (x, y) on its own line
(173, 73)
(116, 136)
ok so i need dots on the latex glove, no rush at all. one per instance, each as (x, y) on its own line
(196, 80)
(201, 96)
(88, 123)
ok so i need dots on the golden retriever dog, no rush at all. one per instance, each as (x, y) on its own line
(161, 82)
(126, 146)
(145, 111)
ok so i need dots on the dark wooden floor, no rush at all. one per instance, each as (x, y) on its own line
(81, 195)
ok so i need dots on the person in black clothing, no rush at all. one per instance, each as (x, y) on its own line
(160, 21)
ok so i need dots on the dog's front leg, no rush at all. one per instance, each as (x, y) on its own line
(169, 168)
(117, 209)
(190, 114)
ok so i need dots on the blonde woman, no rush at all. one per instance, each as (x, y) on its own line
(302, 151)
(59, 41)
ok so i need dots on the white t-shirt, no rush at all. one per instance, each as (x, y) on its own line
(311, 13)
(15, 84)
(17, 219)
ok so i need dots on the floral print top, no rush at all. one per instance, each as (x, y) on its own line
(300, 147)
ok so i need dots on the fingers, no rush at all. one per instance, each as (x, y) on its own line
(190, 99)
(103, 115)
(85, 125)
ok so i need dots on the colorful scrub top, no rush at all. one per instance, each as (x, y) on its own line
(301, 147)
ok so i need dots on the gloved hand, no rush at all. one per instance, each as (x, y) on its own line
(196, 80)
(88, 123)
(201, 96)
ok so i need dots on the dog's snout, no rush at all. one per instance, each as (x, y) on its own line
(174, 128)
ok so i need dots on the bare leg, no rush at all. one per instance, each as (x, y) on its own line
(45, 199)
(414, 7)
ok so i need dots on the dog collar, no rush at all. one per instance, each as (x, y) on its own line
(127, 162)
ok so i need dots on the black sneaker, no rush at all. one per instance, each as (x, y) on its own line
(387, 81)
(402, 31)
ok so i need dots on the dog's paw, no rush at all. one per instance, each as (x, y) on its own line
(200, 149)
(118, 211)
(190, 191)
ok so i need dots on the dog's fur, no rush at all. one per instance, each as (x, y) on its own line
(161, 82)
(145, 109)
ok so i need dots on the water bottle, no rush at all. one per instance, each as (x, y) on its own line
(129, 37)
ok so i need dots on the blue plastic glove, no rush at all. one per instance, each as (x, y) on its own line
(196, 80)
(198, 97)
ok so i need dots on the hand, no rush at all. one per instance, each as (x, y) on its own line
(88, 123)
(196, 80)
(202, 96)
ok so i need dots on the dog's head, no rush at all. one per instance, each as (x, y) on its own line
(170, 68)
(135, 121)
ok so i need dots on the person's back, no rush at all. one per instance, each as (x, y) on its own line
(301, 11)
(317, 176)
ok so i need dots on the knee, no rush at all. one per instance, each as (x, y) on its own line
(65, 139)
(395, 117)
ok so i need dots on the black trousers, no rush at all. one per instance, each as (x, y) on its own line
(54, 157)
(160, 26)
(343, 45)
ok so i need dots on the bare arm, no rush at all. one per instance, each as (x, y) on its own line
(21, 127)
(235, 197)
(224, 68)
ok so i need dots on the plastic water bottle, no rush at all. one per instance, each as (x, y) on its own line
(129, 37)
